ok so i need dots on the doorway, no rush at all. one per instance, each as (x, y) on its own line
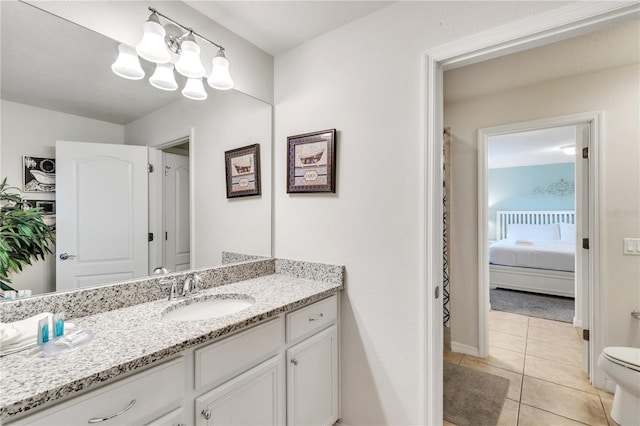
(530, 236)
(170, 219)
(576, 19)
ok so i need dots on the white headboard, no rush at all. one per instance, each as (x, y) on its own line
(541, 217)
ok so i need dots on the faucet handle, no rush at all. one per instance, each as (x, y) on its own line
(195, 283)
(173, 293)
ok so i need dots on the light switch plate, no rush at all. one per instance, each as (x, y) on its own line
(631, 246)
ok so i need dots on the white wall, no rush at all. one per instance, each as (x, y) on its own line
(251, 68)
(366, 80)
(227, 120)
(28, 130)
(617, 93)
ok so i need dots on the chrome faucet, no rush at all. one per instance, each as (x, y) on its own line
(190, 285)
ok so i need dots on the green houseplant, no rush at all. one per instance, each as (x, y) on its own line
(24, 237)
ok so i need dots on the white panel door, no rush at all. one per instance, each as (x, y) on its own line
(312, 380)
(176, 212)
(102, 223)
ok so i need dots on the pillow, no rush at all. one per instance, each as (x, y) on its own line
(568, 232)
(519, 231)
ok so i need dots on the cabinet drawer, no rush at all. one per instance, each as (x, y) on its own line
(174, 418)
(225, 359)
(311, 318)
(138, 399)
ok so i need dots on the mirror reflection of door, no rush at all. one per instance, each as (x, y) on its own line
(176, 211)
(102, 217)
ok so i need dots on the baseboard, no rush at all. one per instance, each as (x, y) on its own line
(464, 349)
(577, 323)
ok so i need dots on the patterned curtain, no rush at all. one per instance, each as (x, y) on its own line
(446, 179)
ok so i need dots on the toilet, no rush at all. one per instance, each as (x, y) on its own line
(622, 365)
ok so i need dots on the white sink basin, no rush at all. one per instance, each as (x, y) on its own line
(207, 307)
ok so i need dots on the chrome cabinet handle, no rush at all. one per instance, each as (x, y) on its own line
(294, 361)
(316, 317)
(65, 256)
(104, 419)
(206, 414)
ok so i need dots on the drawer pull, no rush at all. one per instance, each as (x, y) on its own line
(316, 317)
(104, 419)
(294, 361)
(206, 414)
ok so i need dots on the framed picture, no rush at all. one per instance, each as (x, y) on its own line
(243, 171)
(311, 162)
(39, 174)
(48, 210)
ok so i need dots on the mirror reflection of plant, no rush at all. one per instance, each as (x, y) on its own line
(24, 237)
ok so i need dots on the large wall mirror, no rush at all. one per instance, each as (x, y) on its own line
(60, 100)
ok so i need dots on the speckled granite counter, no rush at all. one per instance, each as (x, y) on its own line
(136, 336)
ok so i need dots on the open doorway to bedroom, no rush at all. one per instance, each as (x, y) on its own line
(531, 223)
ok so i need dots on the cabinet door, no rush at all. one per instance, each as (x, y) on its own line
(312, 380)
(252, 398)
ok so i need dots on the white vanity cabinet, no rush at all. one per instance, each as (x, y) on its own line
(253, 398)
(282, 371)
(125, 402)
(312, 365)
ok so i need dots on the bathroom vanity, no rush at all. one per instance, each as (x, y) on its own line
(274, 362)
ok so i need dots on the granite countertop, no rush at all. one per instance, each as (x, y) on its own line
(136, 336)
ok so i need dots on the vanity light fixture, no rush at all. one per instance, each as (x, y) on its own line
(568, 149)
(156, 45)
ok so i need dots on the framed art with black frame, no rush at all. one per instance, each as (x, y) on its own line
(243, 171)
(311, 162)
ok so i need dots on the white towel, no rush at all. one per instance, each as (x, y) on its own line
(20, 335)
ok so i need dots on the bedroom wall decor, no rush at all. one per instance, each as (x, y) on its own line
(39, 174)
(560, 188)
(242, 167)
(311, 162)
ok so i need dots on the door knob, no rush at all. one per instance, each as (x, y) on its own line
(65, 256)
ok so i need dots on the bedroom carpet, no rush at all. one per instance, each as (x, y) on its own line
(472, 397)
(555, 308)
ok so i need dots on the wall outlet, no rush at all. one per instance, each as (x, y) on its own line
(631, 246)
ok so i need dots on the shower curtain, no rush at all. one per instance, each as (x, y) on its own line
(446, 181)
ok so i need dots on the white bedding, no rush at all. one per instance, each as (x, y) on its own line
(555, 255)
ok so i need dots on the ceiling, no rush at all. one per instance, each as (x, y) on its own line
(277, 26)
(530, 148)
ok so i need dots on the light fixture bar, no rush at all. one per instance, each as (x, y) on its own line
(187, 29)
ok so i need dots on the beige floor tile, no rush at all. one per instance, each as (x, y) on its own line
(507, 341)
(446, 423)
(514, 328)
(501, 316)
(502, 358)
(509, 413)
(553, 335)
(515, 379)
(531, 416)
(550, 324)
(565, 352)
(563, 401)
(607, 403)
(452, 357)
(559, 373)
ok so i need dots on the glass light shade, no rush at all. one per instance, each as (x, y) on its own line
(194, 89)
(220, 77)
(163, 78)
(127, 65)
(189, 63)
(152, 47)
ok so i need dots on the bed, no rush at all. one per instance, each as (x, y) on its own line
(534, 252)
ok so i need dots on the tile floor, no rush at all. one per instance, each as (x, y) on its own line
(543, 361)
